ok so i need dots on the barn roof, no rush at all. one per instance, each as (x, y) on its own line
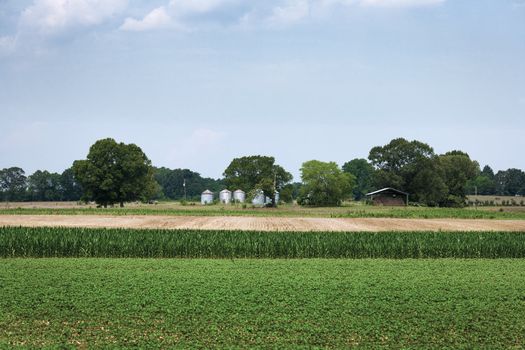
(387, 189)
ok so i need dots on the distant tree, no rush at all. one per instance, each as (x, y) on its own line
(172, 183)
(13, 184)
(400, 156)
(484, 183)
(363, 173)
(71, 189)
(487, 172)
(256, 172)
(384, 178)
(286, 194)
(428, 185)
(481, 185)
(115, 173)
(324, 184)
(404, 165)
(290, 192)
(457, 169)
(510, 182)
(44, 186)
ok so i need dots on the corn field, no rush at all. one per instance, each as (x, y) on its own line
(85, 242)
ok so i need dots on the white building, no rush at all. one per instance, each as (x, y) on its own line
(225, 196)
(207, 197)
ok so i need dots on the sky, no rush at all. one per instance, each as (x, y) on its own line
(196, 83)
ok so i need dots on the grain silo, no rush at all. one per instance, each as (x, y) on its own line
(225, 196)
(207, 197)
(239, 196)
(258, 199)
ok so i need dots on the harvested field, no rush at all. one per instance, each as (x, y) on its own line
(261, 223)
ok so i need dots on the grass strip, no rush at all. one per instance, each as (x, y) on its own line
(369, 212)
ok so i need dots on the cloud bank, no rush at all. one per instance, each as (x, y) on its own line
(44, 19)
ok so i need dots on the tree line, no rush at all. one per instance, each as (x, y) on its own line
(115, 173)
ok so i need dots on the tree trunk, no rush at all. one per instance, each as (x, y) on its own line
(122, 204)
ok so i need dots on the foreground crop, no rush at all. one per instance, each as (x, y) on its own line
(84, 242)
(262, 303)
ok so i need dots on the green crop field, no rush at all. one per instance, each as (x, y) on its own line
(89, 242)
(308, 303)
(351, 211)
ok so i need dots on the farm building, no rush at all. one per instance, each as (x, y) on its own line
(239, 196)
(388, 196)
(225, 196)
(207, 197)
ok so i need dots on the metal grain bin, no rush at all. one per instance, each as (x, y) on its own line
(239, 196)
(225, 196)
(207, 197)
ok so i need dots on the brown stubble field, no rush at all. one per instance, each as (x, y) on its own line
(249, 223)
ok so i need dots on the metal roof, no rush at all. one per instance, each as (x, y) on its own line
(386, 189)
(207, 192)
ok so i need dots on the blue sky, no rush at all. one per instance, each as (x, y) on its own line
(197, 83)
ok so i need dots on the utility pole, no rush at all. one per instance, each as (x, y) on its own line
(184, 185)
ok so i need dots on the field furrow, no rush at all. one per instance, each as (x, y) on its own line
(262, 223)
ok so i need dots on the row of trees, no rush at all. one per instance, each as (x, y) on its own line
(183, 184)
(504, 183)
(117, 173)
(40, 186)
(431, 179)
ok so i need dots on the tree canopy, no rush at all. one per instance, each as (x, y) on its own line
(12, 183)
(412, 166)
(172, 183)
(256, 173)
(115, 173)
(324, 184)
(363, 172)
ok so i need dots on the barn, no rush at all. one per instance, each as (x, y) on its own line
(388, 196)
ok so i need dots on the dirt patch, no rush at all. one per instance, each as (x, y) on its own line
(262, 223)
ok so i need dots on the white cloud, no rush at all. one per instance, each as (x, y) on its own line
(171, 15)
(53, 16)
(185, 7)
(293, 11)
(7, 45)
(158, 18)
(400, 3)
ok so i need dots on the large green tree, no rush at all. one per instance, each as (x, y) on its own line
(13, 183)
(404, 165)
(115, 173)
(457, 169)
(324, 184)
(363, 172)
(256, 172)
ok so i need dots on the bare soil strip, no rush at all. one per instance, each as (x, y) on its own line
(261, 223)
